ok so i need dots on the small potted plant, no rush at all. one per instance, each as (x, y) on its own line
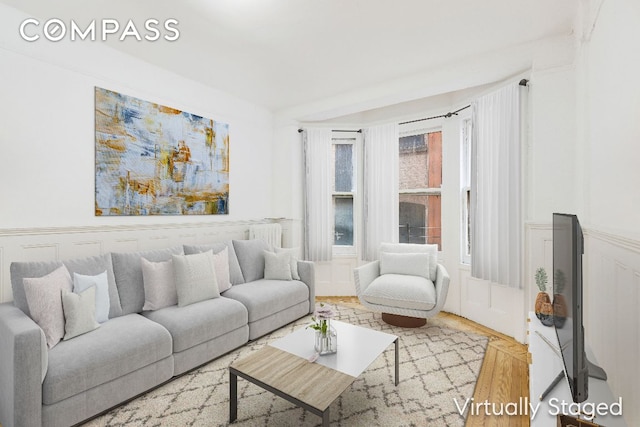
(543, 307)
(559, 303)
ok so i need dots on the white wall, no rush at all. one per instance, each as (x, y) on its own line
(47, 130)
(608, 94)
(610, 67)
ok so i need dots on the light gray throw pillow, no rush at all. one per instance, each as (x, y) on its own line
(294, 261)
(221, 267)
(44, 297)
(195, 278)
(235, 273)
(100, 281)
(277, 266)
(405, 263)
(79, 312)
(159, 284)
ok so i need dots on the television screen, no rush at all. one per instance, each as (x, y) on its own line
(567, 302)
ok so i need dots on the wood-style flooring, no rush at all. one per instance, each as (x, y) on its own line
(504, 376)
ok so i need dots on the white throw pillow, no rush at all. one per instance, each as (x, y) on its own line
(277, 266)
(100, 281)
(79, 312)
(44, 298)
(405, 263)
(221, 267)
(293, 261)
(159, 284)
(195, 278)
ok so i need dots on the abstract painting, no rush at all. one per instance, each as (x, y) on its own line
(157, 160)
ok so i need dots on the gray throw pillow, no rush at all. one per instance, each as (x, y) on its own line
(251, 258)
(159, 284)
(79, 312)
(100, 281)
(195, 278)
(44, 297)
(277, 266)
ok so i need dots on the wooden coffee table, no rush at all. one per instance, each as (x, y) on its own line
(282, 367)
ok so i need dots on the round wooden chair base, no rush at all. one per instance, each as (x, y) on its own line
(403, 321)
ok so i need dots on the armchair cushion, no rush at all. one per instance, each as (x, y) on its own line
(409, 264)
(401, 291)
(404, 248)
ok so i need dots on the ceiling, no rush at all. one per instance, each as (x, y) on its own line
(283, 54)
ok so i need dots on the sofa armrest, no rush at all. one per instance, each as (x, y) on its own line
(364, 275)
(307, 272)
(21, 368)
(442, 287)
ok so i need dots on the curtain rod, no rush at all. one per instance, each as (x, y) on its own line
(337, 130)
(522, 82)
(453, 113)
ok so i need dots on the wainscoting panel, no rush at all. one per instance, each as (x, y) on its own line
(335, 277)
(612, 317)
(78, 242)
(496, 306)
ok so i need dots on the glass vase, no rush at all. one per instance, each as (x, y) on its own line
(326, 342)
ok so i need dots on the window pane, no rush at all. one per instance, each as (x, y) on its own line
(420, 161)
(420, 219)
(343, 226)
(343, 158)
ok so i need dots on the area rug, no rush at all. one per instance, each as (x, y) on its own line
(439, 366)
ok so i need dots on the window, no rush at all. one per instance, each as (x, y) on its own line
(420, 184)
(344, 194)
(465, 190)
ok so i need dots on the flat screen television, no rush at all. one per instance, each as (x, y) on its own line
(568, 308)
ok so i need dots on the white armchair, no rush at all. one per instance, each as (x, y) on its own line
(406, 284)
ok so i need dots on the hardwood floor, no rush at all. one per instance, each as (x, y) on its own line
(504, 376)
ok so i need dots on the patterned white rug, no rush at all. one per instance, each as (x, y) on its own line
(437, 365)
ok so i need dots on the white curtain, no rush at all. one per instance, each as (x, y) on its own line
(318, 211)
(496, 224)
(380, 188)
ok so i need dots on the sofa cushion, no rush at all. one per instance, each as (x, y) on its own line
(265, 297)
(128, 273)
(200, 322)
(235, 273)
(402, 291)
(118, 347)
(250, 255)
(403, 248)
(195, 278)
(87, 266)
(44, 297)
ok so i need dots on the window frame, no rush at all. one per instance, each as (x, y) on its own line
(466, 129)
(355, 140)
(414, 129)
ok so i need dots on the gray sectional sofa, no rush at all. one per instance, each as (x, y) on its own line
(135, 350)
